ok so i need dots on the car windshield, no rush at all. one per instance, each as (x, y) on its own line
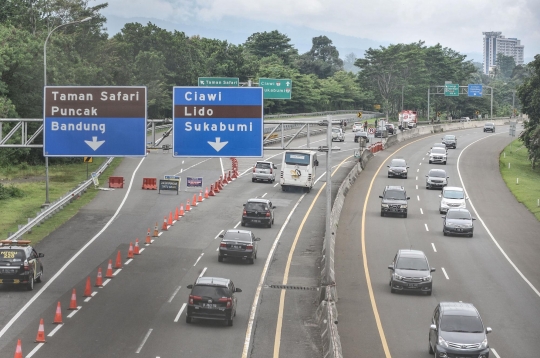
(11, 255)
(412, 263)
(336, 130)
(458, 214)
(451, 137)
(398, 163)
(256, 206)
(453, 194)
(263, 165)
(438, 151)
(469, 324)
(439, 145)
(294, 158)
(210, 291)
(236, 236)
(437, 174)
(395, 195)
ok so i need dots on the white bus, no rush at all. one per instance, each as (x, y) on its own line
(298, 169)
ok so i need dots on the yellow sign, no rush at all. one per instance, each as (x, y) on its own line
(477, 112)
(377, 106)
(88, 159)
(359, 114)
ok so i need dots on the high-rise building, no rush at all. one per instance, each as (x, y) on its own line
(495, 43)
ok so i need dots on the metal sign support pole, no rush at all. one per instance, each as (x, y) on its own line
(328, 234)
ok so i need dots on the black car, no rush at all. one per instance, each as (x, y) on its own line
(381, 133)
(394, 201)
(241, 244)
(458, 331)
(458, 222)
(450, 141)
(489, 127)
(20, 263)
(398, 168)
(390, 128)
(410, 271)
(212, 298)
(258, 211)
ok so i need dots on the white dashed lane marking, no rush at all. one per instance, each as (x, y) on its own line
(433, 245)
(445, 274)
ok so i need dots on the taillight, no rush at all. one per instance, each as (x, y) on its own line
(253, 169)
(249, 247)
(228, 300)
(26, 266)
(193, 298)
(267, 214)
(223, 244)
(271, 171)
(244, 213)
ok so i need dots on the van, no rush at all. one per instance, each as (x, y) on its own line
(298, 169)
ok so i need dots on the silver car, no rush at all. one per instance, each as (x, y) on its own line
(436, 178)
(264, 171)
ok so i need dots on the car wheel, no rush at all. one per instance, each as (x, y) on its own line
(391, 288)
(405, 176)
(430, 162)
(253, 180)
(430, 348)
(269, 224)
(251, 261)
(389, 176)
(428, 293)
(470, 235)
(220, 258)
(444, 233)
(38, 280)
(230, 323)
(188, 319)
(255, 254)
(382, 213)
(405, 215)
(30, 285)
(272, 220)
(444, 163)
(242, 223)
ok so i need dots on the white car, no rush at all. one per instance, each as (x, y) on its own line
(452, 197)
(437, 155)
(337, 134)
(357, 126)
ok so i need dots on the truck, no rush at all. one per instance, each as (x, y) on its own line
(408, 119)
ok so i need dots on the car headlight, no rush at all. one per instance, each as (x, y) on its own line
(384, 205)
(426, 279)
(468, 225)
(444, 202)
(442, 342)
(484, 343)
(398, 277)
(404, 206)
(450, 224)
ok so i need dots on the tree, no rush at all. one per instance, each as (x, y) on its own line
(505, 65)
(348, 63)
(322, 60)
(266, 44)
(529, 95)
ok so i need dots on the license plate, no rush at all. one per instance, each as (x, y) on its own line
(256, 221)
(236, 246)
(8, 270)
(209, 305)
(413, 285)
(459, 229)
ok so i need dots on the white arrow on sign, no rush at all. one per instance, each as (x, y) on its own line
(218, 144)
(288, 83)
(94, 143)
(202, 82)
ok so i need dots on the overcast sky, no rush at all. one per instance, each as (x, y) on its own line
(457, 24)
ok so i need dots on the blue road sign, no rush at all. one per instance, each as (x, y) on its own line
(94, 122)
(218, 122)
(475, 90)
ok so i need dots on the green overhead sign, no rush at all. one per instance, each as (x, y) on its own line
(276, 88)
(451, 89)
(218, 81)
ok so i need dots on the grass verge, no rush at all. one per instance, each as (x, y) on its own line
(31, 180)
(521, 179)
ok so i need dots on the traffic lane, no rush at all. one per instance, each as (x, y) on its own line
(513, 226)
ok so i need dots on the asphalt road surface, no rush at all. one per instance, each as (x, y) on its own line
(141, 311)
(497, 270)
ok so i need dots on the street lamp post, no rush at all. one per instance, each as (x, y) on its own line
(45, 85)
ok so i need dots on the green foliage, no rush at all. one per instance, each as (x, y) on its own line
(266, 44)
(322, 60)
(11, 191)
(529, 95)
(505, 65)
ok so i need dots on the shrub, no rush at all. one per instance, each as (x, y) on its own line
(10, 192)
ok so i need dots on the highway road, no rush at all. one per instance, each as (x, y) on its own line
(497, 270)
(140, 312)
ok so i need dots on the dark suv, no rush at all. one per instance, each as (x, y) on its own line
(212, 298)
(457, 331)
(258, 211)
(410, 271)
(241, 244)
(394, 201)
(450, 141)
(20, 263)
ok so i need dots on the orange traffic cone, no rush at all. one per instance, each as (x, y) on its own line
(99, 278)
(156, 231)
(216, 187)
(188, 208)
(136, 249)
(226, 179)
(40, 338)
(18, 350)
(194, 201)
(73, 302)
(88, 288)
(164, 226)
(148, 239)
(220, 182)
(199, 199)
(206, 193)
(229, 179)
(58, 315)
(109, 273)
(181, 213)
(130, 251)
(118, 263)
(170, 219)
(211, 192)
(175, 217)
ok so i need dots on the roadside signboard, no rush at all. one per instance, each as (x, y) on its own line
(194, 182)
(218, 81)
(474, 90)
(166, 184)
(94, 121)
(451, 89)
(218, 122)
(95, 179)
(371, 130)
(359, 114)
(171, 177)
(276, 88)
